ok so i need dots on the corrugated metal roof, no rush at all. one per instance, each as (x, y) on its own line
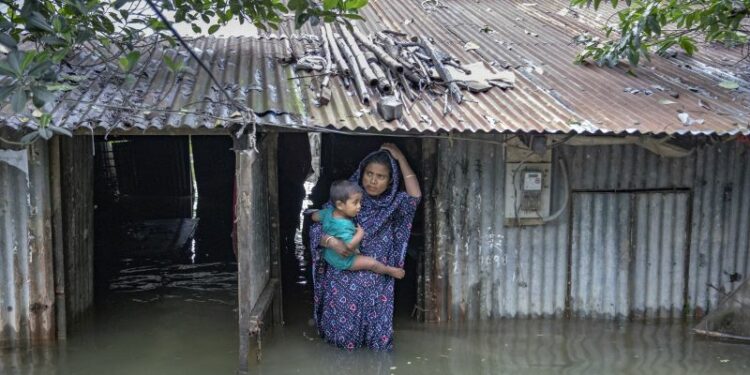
(551, 95)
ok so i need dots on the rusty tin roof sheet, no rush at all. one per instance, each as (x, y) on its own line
(551, 95)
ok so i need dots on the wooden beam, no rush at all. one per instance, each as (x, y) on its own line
(429, 171)
(58, 239)
(272, 153)
(257, 320)
(245, 158)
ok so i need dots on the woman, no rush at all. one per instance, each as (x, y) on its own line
(355, 308)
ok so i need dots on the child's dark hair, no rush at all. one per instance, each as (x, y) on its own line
(342, 190)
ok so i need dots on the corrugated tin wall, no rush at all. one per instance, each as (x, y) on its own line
(626, 252)
(253, 234)
(26, 279)
(77, 164)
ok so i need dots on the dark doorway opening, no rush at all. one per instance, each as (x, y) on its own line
(165, 274)
(339, 157)
(161, 200)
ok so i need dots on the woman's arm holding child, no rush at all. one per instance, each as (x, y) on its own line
(356, 240)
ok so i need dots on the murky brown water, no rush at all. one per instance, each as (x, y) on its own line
(185, 328)
(164, 318)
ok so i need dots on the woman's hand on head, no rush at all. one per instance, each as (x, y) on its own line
(393, 150)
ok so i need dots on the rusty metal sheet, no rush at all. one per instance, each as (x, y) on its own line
(551, 95)
(26, 280)
(681, 225)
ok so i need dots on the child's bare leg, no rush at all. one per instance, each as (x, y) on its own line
(362, 262)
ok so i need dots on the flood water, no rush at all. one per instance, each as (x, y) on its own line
(162, 317)
(179, 316)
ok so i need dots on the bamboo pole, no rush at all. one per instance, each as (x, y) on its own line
(324, 97)
(440, 68)
(343, 67)
(379, 52)
(367, 73)
(355, 71)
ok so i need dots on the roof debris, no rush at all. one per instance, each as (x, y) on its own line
(399, 67)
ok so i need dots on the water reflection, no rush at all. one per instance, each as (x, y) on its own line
(515, 346)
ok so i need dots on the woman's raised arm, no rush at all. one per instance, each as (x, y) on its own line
(411, 182)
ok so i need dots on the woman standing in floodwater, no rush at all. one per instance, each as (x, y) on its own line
(355, 308)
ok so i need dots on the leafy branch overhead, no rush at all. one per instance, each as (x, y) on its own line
(643, 27)
(40, 37)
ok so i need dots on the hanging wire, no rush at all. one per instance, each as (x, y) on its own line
(243, 111)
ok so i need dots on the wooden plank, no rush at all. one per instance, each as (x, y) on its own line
(58, 238)
(245, 158)
(272, 147)
(258, 318)
(429, 169)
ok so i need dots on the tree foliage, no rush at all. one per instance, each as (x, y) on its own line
(655, 26)
(39, 36)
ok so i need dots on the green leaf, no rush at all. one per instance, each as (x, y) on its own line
(14, 61)
(18, 100)
(60, 87)
(45, 133)
(6, 70)
(355, 4)
(132, 59)
(30, 138)
(353, 16)
(330, 4)
(196, 28)
(213, 29)
(7, 41)
(59, 130)
(730, 85)
(124, 64)
(686, 43)
(26, 59)
(40, 68)
(41, 96)
(5, 91)
(38, 21)
(108, 26)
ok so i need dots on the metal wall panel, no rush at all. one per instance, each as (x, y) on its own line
(26, 283)
(484, 269)
(628, 254)
(77, 164)
(253, 236)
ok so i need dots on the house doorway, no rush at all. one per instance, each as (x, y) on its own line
(338, 156)
(164, 271)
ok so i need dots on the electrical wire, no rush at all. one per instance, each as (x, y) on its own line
(241, 109)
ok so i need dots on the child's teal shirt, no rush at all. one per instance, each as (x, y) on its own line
(344, 230)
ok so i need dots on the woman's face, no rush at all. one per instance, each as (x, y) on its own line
(375, 179)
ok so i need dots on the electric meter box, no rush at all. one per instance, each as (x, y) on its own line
(527, 193)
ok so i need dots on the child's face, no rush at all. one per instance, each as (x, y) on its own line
(351, 207)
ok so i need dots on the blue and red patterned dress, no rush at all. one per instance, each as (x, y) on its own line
(354, 309)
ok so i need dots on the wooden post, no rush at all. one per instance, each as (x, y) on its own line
(245, 158)
(58, 237)
(271, 142)
(429, 168)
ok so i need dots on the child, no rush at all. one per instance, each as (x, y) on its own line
(337, 222)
